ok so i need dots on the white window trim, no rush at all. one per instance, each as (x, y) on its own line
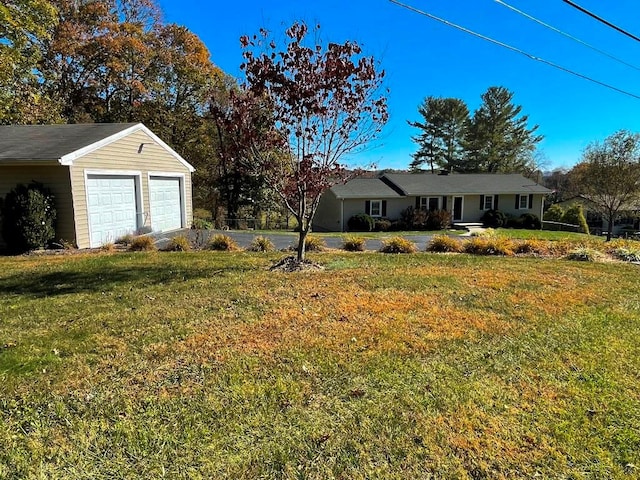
(379, 202)
(183, 194)
(490, 197)
(137, 179)
(526, 201)
(438, 199)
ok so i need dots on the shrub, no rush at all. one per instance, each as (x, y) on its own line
(443, 243)
(109, 247)
(222, 242)
(353, 243)
(493, 218)
(202, 214)
(125, 239)
(179, 244)
(531, 247)
(201, 224)
(513, 222)
(489, 246)
(575, 216)
(398, 245)
(261, 244)
(398, 226)
(142, 244)
(313, 243)
(382, 225)
(554, 214)
(530, 221)
(627, 254)
(360, 223)
(438, 220)
(584, 254)
(28, 217)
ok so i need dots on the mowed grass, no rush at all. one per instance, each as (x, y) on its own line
(206, 365)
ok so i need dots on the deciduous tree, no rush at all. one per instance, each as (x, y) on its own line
(24, 26)
(609, 175)
(326, 103)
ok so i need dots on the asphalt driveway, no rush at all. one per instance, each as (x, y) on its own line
(281, 240)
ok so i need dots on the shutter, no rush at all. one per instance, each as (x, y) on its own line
(530, 200)
(417, 203)
(495, 202)
(384, 208)
(481, 202)
(517, 202)
(444, 203)
(367, 207)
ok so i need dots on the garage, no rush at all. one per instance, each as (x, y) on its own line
(165, 197)
(108, 179)
(111, 201)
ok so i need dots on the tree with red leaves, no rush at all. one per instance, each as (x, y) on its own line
(326, 103)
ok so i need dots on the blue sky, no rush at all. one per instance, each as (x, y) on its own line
(422, 57)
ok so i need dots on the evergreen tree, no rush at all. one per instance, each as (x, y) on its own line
(498, 139)
(443, 130)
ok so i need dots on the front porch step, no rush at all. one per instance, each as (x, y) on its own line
(468, 225)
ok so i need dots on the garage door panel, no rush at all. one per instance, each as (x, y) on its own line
(111, 207)
(165, 203)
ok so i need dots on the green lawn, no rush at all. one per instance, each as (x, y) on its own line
(547, 235)
(206, 365)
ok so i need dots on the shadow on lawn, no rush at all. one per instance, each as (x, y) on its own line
(104, 278)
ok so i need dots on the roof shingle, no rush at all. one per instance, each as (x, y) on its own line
(51, 142)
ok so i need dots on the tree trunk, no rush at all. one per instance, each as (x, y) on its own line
(610, 226)
(301, 242)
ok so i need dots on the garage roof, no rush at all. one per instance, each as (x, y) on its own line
(65, 143)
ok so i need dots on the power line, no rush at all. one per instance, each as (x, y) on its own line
(557, 30)
(514, 49)
(602, 20)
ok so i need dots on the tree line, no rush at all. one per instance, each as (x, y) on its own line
(495, 139)
(74, 61)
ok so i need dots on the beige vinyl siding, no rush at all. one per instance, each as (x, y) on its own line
(56, 179)
(122, 155)
(327, 217)
(394, 207)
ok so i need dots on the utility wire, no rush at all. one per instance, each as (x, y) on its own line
(602, 20)
(514, 49)
(557, 30)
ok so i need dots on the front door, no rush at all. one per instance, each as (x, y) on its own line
(457, 209)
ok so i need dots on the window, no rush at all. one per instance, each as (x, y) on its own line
(524, 202)
(429, 203)
(376, 208)
(488, 202)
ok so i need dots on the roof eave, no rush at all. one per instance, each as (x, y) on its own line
(69, 158)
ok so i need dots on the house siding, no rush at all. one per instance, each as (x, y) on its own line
(327, 217)
(122, 155)
(56, 179)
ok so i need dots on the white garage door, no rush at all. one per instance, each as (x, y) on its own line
(166, 203)
(112, 207)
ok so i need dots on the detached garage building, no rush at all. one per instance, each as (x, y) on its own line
(108, 179)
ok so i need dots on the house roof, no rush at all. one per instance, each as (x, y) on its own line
(412, 184)
(365, 188)
(65, 143)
